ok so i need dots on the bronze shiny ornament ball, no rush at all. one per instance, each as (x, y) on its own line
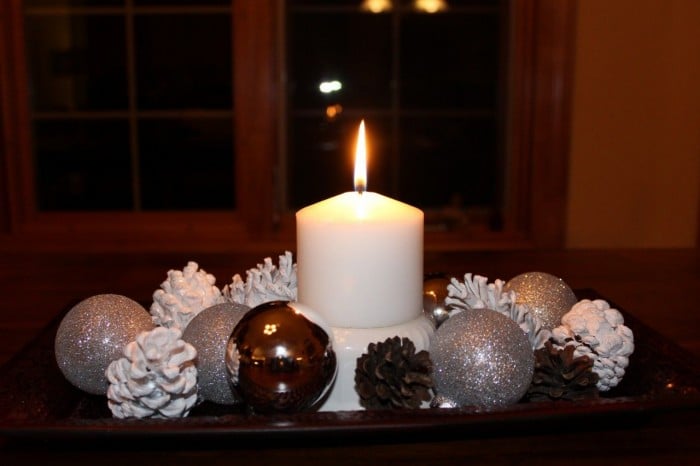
(280, 358)
(434, 294)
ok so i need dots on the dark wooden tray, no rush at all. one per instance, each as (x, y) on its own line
(37, 403)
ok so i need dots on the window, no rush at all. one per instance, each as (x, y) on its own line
(132, 104)
(168, 124)
(431, 85)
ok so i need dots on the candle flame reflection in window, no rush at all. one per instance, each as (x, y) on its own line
(333, 111)
(430, 6)
(376, 6)
(361, 160)
(422, 6)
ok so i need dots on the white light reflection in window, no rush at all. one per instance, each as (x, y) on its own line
(330, 86)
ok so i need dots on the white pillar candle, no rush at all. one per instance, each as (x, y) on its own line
(360, 257)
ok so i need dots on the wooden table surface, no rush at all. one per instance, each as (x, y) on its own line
(659, 287)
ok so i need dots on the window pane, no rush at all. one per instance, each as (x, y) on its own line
(389, 5)
(324, 3)
(83, 165)
(354, 49)
(181, 2)
(452, 5)
(187, 163)
(77, 62)
(322, 158)
(449, 161)
(430, 88)
(77, 54)
(450, 60)
(49, 3)
(184, 61)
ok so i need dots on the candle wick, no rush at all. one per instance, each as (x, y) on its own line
(360, 188)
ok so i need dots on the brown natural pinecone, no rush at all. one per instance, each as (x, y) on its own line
(561, 376)
(392, 375)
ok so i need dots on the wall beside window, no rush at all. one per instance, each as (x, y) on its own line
(634, 178)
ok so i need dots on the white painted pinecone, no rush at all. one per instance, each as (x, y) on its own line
(596, 330)
(476, 293)
(265, 283)
(157, 377)
(183, 295)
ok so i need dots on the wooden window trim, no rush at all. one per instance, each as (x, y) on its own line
(540, 97)
(544, 54)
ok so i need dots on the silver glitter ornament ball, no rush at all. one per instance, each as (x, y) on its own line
(548, 297)
(93, 334)
(208, 332)
(481, 358)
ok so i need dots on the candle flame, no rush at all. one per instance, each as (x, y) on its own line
(361, 160)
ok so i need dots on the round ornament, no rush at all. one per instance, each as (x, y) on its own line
(481, 358)
(208, 332)
(93, 334)
(547, 296)
(280, 358)
(434, 294)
